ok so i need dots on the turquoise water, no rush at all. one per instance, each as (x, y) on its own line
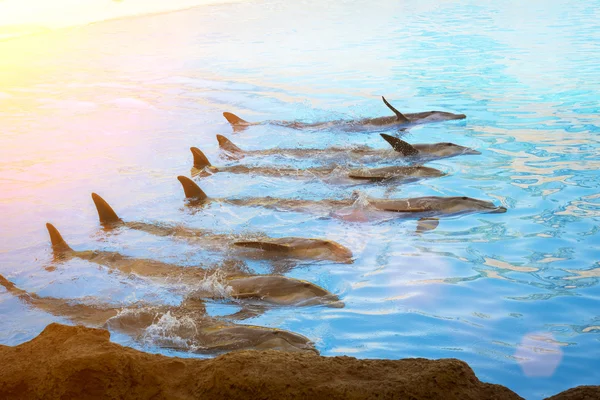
(114, 107)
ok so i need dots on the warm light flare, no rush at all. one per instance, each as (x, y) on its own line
(19, 17)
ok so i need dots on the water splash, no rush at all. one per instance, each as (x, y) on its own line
(212, 286)
(171, 332)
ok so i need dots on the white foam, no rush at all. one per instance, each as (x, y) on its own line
(213, 286)
(172, 332)
(338, 175)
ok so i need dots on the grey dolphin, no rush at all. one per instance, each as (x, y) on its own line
(397, 120)
(422, 151)
(269, 289)
(196, 331)
(419, 207)
(401, 150)
(290, 247)
(431, 206)
(203, 167)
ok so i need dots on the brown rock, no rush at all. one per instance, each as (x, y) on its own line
(578, 393)
(74, 362)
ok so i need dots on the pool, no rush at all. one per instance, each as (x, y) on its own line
(113, 108)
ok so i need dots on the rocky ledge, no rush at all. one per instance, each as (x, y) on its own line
(74, 362)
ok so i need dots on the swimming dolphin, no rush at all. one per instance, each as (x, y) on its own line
(269, 289)
(290, 247)
(203, 167)
(362, 154)
(397, 120)
(419, 207)
(196, 331)
(424, 151)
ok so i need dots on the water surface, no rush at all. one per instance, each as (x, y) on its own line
(114, 107)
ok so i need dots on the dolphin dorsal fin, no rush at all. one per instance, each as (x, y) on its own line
(400, 145)
(399, 116)
(58, 243)
(234, 119)
(105, 212)
(191, 190)
(200, 160)
(227, 145)
(265, 245)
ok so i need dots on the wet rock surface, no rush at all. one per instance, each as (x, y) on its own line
(75, 362)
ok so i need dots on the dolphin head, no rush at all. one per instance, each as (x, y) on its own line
(286, 341)
(396, 172)
(249, 337)
(321, 249)
(428, 172)
(318, 249)
(444, 116)
(281, 290)
(451, 116)
(446, 149)
(338, 252)
(469, 204)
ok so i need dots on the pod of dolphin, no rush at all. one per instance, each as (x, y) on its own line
(256, 293)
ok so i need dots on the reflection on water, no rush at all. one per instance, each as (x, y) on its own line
(114, 107)
(19, 18)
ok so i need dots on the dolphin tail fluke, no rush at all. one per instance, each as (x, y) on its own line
(105, 212)
(58, 243)
(235, 120)
(200, 160)
(228, 146)
(400, 145)
(191, 190)
(399, 116)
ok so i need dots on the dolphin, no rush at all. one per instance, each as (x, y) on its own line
(401, 150)
(431, 206)
(420, 207)
(202, 167)
(269, 289)
(397, 120)
(266, 247)
(195, 331)
(428, 152)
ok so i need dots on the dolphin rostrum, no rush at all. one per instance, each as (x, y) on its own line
(186, 327)
(401, 150)
(420, 207)
(269, 289)
(203, 167)
(397, 120)
(290, 247)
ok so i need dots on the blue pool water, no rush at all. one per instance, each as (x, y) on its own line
(113, 108)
